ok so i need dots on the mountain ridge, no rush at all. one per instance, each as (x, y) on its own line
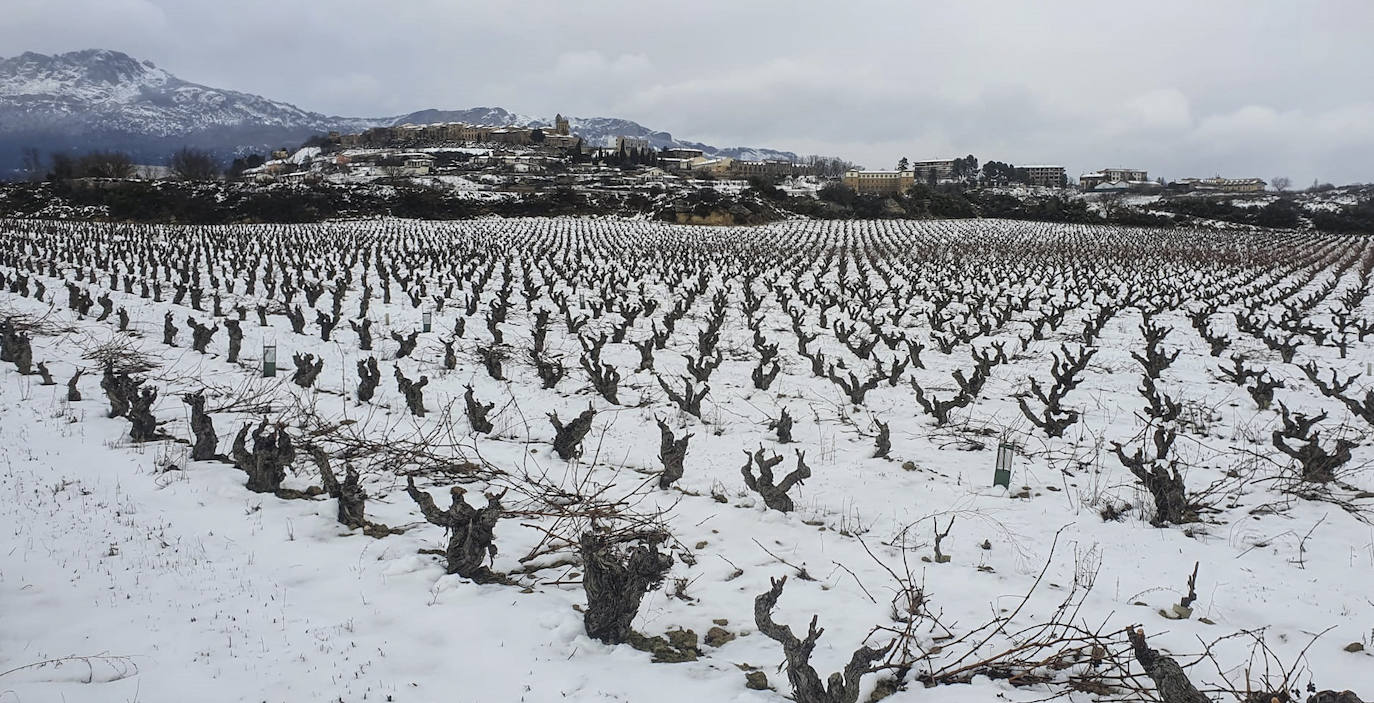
(105, 99)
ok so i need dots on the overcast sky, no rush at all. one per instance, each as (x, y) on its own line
(1181, 88)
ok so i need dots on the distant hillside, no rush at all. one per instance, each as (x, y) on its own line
(103, 99)
(599, 131)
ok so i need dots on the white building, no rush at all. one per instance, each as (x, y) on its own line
(1090, 181)
(1225, 185)
(416, 164)
(628, 144)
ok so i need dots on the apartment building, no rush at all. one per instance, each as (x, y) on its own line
(1045, 176)
(937, 170)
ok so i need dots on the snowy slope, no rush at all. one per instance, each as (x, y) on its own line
(100, 90)
(178, 586)
(228, 595)
(98, 98)
(475, 115)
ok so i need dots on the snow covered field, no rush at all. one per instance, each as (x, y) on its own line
(130, 572)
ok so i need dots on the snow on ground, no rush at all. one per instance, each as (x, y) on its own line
(466, 187)
(168, 579)
(475, 151)
(1252, 201)
(807, 187)
(304, 155)
(1100, 203)
(138, 577)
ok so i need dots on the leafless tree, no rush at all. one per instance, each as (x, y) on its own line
(190, 164)
(1112, 204)
(106, 164)
(32, 164)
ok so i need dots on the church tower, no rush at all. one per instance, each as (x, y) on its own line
(560, 125)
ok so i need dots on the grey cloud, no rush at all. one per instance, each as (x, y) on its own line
(1178, 87)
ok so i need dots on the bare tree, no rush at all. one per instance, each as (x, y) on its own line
(1112, 204)
(1280, 183)
(106, 164)
(189, 164)
(32, 164)
(63, 166)
(393, 167)
(828, 167)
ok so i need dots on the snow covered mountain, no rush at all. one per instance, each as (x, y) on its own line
(103, 99)
(98, 98)
(475, 115)
(100, 88)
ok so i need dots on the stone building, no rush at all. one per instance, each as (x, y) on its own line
(768, 168)
(879, 182)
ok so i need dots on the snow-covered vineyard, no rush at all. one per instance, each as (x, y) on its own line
(569, 459)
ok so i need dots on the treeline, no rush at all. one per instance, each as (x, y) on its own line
(923, 201)
(96, 164)
(955, 201)
(626, 158)
(966, 171)
(1283, 213)
(218, 202)
(186, 164)
(227, 203)
(1350, 219)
